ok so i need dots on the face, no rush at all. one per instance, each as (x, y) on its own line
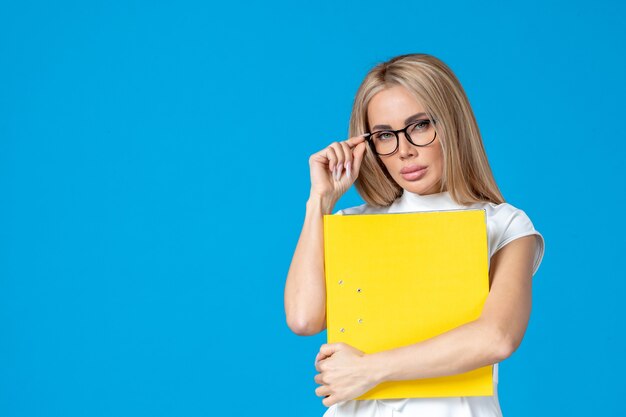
(392, 107)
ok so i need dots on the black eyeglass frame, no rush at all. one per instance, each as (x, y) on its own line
(397, 135)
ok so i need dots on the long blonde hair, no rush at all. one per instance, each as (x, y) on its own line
(466, 171)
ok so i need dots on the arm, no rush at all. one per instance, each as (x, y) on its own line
(305, 289)
(491, 338)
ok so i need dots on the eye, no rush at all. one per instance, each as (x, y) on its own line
(419, 126)
(383, 136)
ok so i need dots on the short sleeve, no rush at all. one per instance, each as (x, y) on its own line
(514, 223)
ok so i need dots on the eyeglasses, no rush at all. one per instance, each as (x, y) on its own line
(419, 133)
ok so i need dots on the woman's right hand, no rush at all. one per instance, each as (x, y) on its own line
(339, 158)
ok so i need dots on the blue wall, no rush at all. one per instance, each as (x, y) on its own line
(154, 173)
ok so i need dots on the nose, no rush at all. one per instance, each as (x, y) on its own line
(405, 148)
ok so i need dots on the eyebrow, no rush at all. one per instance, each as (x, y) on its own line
(407, 121)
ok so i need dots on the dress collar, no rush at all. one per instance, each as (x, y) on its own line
(409, 201)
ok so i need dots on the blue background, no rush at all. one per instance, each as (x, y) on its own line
(143, 255)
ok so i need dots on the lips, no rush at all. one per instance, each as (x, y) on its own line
(411, 168)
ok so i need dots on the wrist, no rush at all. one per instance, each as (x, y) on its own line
(324, 204)
(377, 365)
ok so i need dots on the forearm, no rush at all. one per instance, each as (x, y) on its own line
(467, 347)
(305, 289)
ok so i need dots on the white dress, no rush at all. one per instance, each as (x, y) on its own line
(505, 223)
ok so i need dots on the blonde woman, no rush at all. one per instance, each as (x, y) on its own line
(414, 146)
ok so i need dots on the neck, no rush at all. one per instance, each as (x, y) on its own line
(410, 201)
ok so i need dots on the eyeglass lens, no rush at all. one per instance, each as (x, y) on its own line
(421, 133)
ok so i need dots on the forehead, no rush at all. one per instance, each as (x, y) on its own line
(392, 106)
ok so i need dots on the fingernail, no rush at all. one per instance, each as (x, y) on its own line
(339, 172)
(348, 167)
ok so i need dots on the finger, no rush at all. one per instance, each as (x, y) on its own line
(331, 154)
(348, 156)
(336, 146)
(318, 364)
(318, 379)
(352, 142)
(355, 140)
(319, 357)
(328, 349)
(322, 391)
(328, 401)
(324, 353)
(359, 153)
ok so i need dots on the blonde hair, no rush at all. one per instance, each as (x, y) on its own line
(466, 171)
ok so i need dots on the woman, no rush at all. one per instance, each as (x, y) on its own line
(414, 146)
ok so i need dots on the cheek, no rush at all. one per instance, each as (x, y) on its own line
(436, 160)
(438, 156)
(389, 165)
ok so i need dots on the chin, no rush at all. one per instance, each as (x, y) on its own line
(418, 188)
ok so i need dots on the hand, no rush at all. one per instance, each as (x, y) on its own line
(344, 373)
(331, 161)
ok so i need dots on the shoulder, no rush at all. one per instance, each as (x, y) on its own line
(363, 209)
(505, 223)
(509, 219)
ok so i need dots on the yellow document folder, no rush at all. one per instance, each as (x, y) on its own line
(400, 278)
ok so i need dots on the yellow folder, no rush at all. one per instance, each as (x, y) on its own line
(396, 279)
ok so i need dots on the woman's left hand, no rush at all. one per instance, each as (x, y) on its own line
(345, 373)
